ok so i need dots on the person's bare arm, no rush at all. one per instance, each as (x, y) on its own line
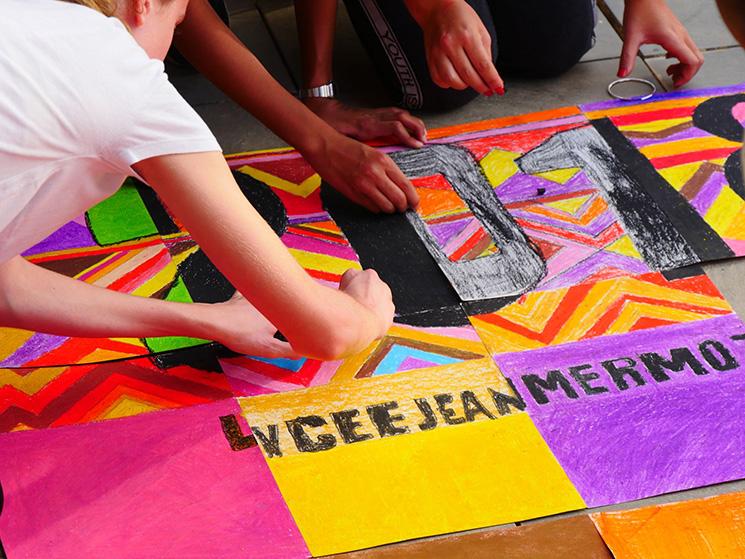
(36, 299)
(733, 14)
(316, 21)
(317, 321)
(364, 175)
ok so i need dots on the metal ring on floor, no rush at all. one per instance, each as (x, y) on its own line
(634, 97)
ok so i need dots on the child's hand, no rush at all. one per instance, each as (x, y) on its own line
(391, 123)
(653, 22)
(362, 174)
(238, 325)
(457, 45)
(368, 290)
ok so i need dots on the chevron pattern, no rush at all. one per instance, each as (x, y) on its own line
(596, 283)
(291, 174)
(55, 396)
(603, 308)
(457, 231)
(567, 219)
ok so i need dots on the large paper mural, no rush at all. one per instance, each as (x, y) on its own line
(556, 347)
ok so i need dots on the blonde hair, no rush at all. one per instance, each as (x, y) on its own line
(106, 7)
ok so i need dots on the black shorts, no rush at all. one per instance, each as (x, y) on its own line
(530, 38)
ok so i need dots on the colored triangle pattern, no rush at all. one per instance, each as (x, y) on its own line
(403, 349)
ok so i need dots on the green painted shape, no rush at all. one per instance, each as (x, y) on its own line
(178, 293)
(121, 217)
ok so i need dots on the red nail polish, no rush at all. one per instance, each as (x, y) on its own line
(500, 91)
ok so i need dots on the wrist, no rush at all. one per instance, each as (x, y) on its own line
(318, 142)
(421, 9)
(198, 320)
(319, 74)
(322, 91)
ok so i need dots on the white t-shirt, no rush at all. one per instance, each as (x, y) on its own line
(80, 103)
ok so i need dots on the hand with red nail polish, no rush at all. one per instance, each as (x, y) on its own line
(653, 22)
(457, 45)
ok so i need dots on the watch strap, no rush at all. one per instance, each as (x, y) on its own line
(325, 90)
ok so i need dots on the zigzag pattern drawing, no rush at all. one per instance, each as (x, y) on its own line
(143, 268)
(568, 220)
(55, 396)
(142, 256)
(603, 308)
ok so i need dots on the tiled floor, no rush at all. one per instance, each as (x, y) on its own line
(268, 28)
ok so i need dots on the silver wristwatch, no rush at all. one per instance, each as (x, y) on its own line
(325, 90)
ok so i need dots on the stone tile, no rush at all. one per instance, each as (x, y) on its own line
(727, 275)
(194, 87)
(721, 67)
(584, 83)
(279, 16)
(607, 42)
(701, 18)
(238, 6)
(251, 30)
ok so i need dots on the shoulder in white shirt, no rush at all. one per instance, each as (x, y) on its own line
(80, 103)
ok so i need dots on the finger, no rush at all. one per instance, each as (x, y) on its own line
(390, 190)
(434, 72)
(347, 277)
(689, 63)
(361, 199)
(376, 128)
(404, 184)
(396, 129)
(415, 125)
(467, 73)
(448, 75)
(676, 71)
(630, 49)
(378, 195)
(369, 204)
(695, 50)
(481, 61)
(275, 348)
